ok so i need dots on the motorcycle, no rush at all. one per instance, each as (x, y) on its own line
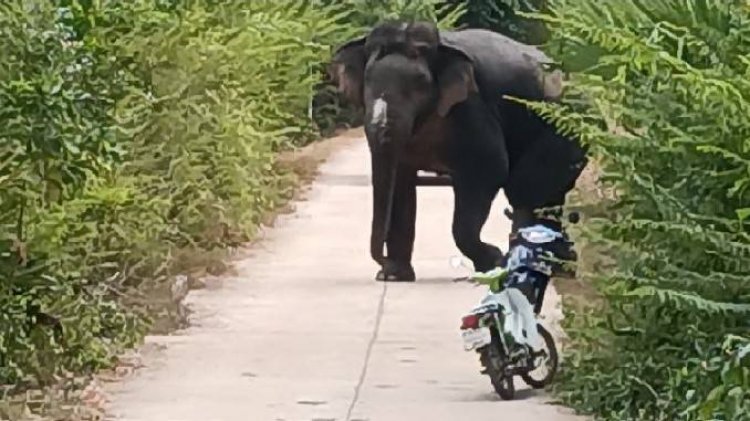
(503, 329)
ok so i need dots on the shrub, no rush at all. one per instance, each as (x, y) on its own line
(368, 13)
(132, 130)
(57, 137)
(504, 16)
(660, 94)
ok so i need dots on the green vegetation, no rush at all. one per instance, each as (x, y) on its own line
(132, 130)
(369, 12)
(504, 16)
(661, 94)
(135, 134)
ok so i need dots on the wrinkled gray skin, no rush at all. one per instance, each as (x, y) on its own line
(433, 101)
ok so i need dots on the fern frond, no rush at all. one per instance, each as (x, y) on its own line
(683, 300)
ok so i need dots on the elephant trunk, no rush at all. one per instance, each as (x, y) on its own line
(384, 174)
(388, 129)
(383, 209)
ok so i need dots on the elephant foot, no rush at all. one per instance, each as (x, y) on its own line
(493, 258)
(396, 272)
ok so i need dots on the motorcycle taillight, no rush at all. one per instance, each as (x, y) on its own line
(470, 322)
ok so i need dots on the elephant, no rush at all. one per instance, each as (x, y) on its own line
(440, 101)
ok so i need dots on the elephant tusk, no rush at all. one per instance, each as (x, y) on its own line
(379, 112)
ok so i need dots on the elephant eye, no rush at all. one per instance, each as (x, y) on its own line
(424, 49)
(420, 79)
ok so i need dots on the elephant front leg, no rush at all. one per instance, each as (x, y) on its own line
(472, 204)
(393, 219)
(400, 238)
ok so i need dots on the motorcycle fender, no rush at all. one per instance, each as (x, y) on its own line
(521, 318)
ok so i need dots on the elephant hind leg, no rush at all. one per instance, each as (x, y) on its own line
(538, 185)
(472, 204)
(545, 173)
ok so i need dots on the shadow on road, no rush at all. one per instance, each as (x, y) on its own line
(490, 396)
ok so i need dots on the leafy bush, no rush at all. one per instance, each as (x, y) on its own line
(370, 12)
(504, 16)
(132, 130)
(661, 95)
(57, 136)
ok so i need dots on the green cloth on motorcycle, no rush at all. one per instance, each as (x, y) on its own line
(494, 278)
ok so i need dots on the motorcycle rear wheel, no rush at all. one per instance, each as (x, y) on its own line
(505, 387)
(551, 362)
(491, 357)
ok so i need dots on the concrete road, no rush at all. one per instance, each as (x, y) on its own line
(303, 332)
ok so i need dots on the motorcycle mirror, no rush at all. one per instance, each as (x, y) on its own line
(574, 217)
(458, 262)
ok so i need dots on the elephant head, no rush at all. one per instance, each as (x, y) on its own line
(400, 74)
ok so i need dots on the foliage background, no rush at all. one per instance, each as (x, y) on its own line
(660, 94)
(136, 137)
(135, 133)
(504, 16)
(133, 130)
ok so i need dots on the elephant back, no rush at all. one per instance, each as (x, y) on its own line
(502, 65)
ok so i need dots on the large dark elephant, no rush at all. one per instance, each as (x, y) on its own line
(434, 101)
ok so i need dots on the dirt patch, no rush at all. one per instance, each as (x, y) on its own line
(304, 163)
(590, 199)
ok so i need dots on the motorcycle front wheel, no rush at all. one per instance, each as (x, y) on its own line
(540, 375)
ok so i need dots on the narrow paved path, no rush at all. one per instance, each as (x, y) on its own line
(303, 332)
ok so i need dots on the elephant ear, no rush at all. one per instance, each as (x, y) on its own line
(347, 70)
(455, 79)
